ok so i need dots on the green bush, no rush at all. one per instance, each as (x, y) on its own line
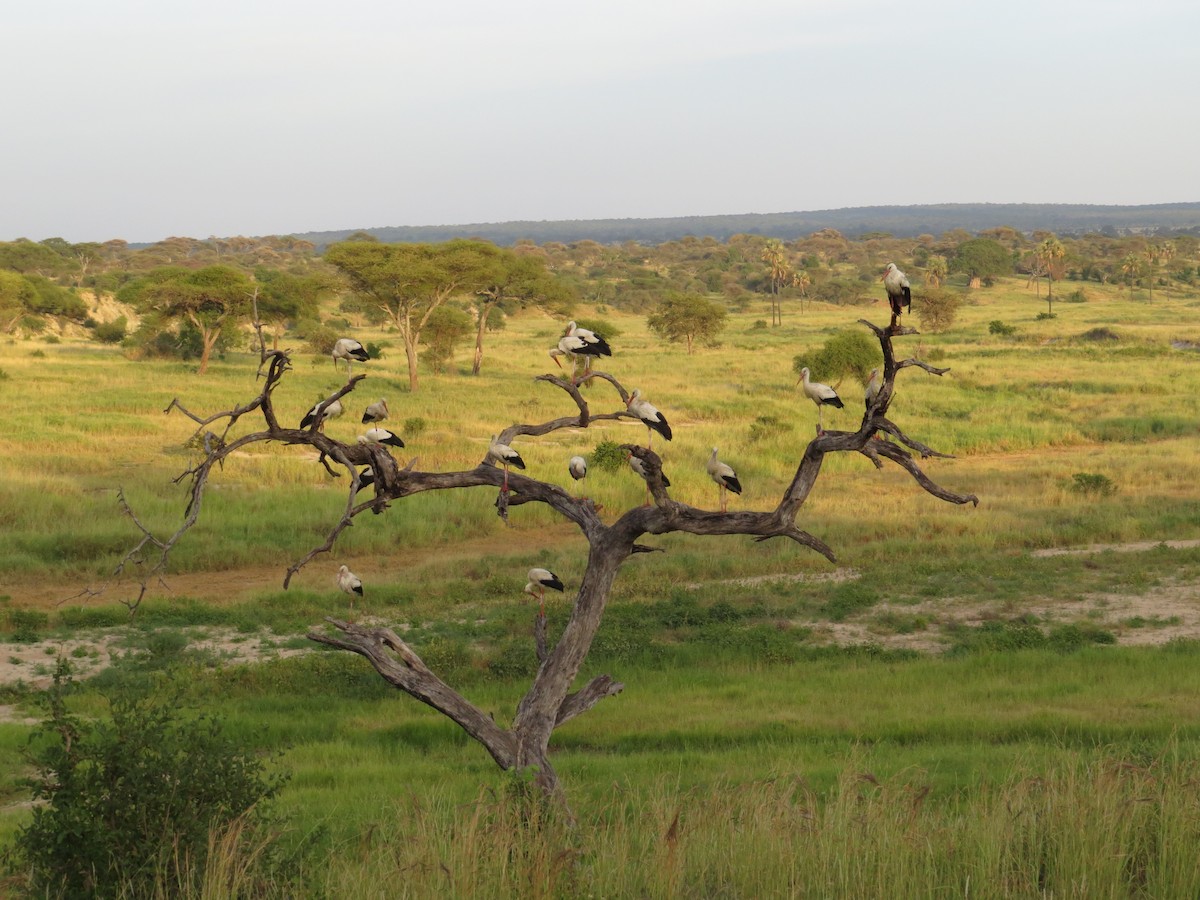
(846, 354)
(112, 332)
(1092, 483)
(129, 803)
(608, 456)
(999, 328)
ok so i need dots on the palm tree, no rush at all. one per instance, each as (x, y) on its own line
(936, 269)
(1151, 254)
(1131, 265)
(778, 268)
(803, 281)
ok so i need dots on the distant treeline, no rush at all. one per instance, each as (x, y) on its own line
(900, 221)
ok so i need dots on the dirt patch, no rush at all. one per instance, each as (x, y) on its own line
(836, 576)
(90, 652)
(1134, 547)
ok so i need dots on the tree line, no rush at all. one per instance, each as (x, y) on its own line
(193, 296)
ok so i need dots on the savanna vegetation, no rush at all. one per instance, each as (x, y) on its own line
(947, 710)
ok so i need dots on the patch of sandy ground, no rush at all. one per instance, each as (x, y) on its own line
(1169, 611)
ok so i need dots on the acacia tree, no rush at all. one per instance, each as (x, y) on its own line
(511, 276)
(522, 743)
(210, 299)
(410, 281)
(688, 318)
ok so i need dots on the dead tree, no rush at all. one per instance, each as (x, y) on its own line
(550, 700)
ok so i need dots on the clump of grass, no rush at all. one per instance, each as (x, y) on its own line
(1093, 483)
(1100, 334)
(1000, 329)
(765, 427)
(1043, 316)
(414, 426)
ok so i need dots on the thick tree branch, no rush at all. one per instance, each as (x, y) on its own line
(396, 662)
(588, 696)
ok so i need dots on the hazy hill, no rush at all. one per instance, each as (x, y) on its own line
(903, 221)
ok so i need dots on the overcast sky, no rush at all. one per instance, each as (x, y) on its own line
(144, 119)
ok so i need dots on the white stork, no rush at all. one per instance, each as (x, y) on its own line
(331, 411)
(899, 291)
(595, 344)
(381, 436)
(724, 476)
(376, 412)
(539, 580)
(575, 348)
(821, 394)
(650, 416)
(874, 383)
(348, 349)
(506, 456)
(350, 583)
(577, 467)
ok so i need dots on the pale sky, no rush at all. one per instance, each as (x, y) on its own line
(144, 120)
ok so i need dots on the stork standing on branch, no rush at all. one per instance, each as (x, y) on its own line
(724, 476)
(331, 411)
(506, 456)
(821, 394)
(381, 436)
(899, 292)
(650, 417)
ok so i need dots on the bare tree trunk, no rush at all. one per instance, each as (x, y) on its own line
(208, 340)
(483, 317)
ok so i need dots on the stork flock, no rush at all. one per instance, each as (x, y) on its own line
(583, 346)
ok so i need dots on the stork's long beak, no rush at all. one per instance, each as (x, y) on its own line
(556, 362)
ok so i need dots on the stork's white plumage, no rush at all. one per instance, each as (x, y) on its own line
(821, 394)
(376, 412)
(577, 466)
(350, 583)
(506, 456)
(331, 411)
(724, 476)
(898, 290)
(874, 383)
(650, 416)
(593, 344)
(539, 580)
(380, 436)
(349, 350)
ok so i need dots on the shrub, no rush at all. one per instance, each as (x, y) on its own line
(938, 308)
(767, 426)
(1092, 483)
(846, 354)
(132, 800)
(999, 328)
(413, 427)
(112, 332)
(608, 456)
(1042, 316)
(1100, 334)
(447, 325)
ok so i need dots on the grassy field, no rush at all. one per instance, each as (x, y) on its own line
(772, 700)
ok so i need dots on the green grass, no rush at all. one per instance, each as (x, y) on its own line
(1013, 764)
